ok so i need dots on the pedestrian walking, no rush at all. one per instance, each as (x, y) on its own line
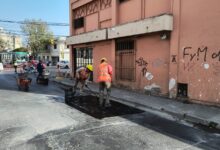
(82, 76)
(104, 79)
(58, 74)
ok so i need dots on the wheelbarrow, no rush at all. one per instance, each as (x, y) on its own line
(23, 82)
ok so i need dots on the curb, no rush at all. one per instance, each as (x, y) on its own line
(180, 116)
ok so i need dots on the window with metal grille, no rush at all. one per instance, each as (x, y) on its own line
(79, 23)
(125, 60)
(82, 57)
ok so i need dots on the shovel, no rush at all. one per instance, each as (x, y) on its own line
(92, 91)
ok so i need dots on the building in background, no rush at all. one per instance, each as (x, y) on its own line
(11, 41)
(58, 51)
(167, 47)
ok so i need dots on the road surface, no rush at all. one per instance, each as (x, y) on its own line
(40, 120)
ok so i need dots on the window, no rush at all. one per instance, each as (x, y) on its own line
(79, 23)
(125, 60)
(121, 1)
(182, 90)
(83, 57)
(55, 46)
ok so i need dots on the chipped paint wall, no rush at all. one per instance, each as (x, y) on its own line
(134, 10)
(152, 56)
(199, 53)
(195, 50)
(190, 55)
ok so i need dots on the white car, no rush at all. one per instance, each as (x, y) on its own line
(63, 64)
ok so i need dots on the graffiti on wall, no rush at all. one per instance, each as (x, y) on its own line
(188, 66)
(143, 64)
(173, 59)
(202, 53)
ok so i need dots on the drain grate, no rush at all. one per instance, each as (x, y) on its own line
(89, 105)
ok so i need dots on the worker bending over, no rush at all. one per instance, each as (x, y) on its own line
(82, 76)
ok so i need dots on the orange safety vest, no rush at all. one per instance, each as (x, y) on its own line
(103, 74)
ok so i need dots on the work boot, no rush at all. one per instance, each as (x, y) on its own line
(107, 101)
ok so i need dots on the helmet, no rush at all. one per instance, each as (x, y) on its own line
(89, 67)
(103, 59)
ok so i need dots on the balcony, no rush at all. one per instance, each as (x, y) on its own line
(149, 25)
(154, 24)
(98, 35)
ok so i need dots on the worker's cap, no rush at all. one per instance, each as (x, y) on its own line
(103, 59)
(90, 67)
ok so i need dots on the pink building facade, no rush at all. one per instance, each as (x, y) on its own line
(167, 47)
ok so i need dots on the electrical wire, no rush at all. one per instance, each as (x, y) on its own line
(23, 22)
(17, 32)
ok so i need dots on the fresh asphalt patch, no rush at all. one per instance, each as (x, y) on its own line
(90, 105)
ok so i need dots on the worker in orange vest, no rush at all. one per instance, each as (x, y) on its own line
(82, 75)
(104, 79)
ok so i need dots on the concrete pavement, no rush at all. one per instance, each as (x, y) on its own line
(195, 113)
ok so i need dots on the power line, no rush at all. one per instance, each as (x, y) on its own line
(17, 32)
(23, 22)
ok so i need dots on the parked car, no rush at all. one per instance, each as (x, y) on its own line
(63, 64)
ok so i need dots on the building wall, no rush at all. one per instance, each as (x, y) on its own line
(126, 12)
(99, 14)
(189, 55)
(199, 53)
(155, 52)
(100, 50)
(154, 8)
(12, 42)
(60, 53)
(105, 18)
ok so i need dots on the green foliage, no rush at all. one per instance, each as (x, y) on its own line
(21, 49)
(38, 35)
(2, 44)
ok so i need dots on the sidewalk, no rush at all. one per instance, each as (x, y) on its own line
(195, 113)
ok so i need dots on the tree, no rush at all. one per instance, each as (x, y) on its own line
(21, 49)
(2, 44)
(38, 35)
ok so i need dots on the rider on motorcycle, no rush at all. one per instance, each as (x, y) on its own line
(40, 68)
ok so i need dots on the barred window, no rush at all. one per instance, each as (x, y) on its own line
(125, 60)
(83, 56)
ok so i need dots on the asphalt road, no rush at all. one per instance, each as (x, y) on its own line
(40, 120)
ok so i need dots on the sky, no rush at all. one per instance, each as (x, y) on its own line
(55, 11)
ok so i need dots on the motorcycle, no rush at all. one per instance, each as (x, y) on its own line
(44, 78)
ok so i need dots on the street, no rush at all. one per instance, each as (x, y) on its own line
(39, 119)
